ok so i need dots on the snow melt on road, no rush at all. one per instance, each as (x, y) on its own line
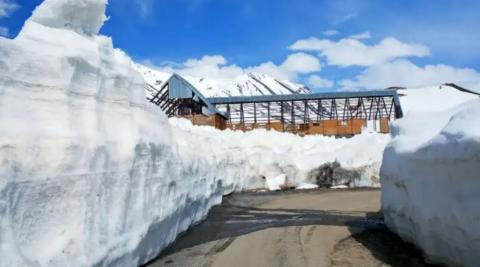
(92, 175)
(430, 175)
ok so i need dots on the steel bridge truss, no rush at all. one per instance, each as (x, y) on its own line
(310, 111)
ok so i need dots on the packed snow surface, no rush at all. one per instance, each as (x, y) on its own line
(431, 175)
(91, 175)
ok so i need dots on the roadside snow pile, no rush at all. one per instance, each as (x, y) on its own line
(91, 175)
(431, 176)
(87, 170)
(286, 160)
(432, 99)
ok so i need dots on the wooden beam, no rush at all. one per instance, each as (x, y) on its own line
(268, 113)
(254, 112)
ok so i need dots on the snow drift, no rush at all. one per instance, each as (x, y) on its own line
(92, 175)
(430, 177)
(283, 160)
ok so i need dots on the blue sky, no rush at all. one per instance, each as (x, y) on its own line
(434, 41)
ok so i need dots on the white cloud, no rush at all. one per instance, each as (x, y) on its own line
(217, 67)
(330, 33)
(301, 63)
(352, 52)
(214, 67)
(316, 81)
(404, 73)
(7, 7)
(361, 36)
(4, 31)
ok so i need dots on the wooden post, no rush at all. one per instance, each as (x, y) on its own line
(268, 114)
(228, 114)
(242, 118)
(306, 113)
(254, 112)
(371, 107)
(319, 105)
(292, 113)
(281, 115)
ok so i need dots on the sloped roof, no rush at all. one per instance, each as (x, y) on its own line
(181, 88)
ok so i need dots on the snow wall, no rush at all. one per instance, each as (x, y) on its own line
(92, 175)
(431, 180)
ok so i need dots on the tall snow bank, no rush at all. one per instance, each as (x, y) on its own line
(430, 181)
(286, 160)
(87, 170)
(82, 16)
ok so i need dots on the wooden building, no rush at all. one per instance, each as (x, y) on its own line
(177, 97)
(336, 113)
(333, 114)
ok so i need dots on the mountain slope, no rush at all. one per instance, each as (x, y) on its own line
(248, 84)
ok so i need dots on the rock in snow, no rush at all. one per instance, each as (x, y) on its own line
(90, 174)
(431, 175)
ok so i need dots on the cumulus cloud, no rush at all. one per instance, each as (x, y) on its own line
(353, 52)
(211, 66)
(405, 73)
(301, 63)
(7, 7)
(316, 81)
(217, 67)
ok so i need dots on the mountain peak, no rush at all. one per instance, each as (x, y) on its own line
(247, 84)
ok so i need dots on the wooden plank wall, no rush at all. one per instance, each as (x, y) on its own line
(216, 120)
(324, 127)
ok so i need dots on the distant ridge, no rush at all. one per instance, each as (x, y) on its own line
(248, 84)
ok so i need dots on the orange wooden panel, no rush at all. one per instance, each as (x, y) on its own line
(220, 122)
(315, 130)
(344, 128)
(357, 125)
(330, 127)
(384, 125)
(277, 126)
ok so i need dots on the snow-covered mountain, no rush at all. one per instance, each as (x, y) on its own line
(248, 84)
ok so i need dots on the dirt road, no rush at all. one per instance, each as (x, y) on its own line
(294, 228)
